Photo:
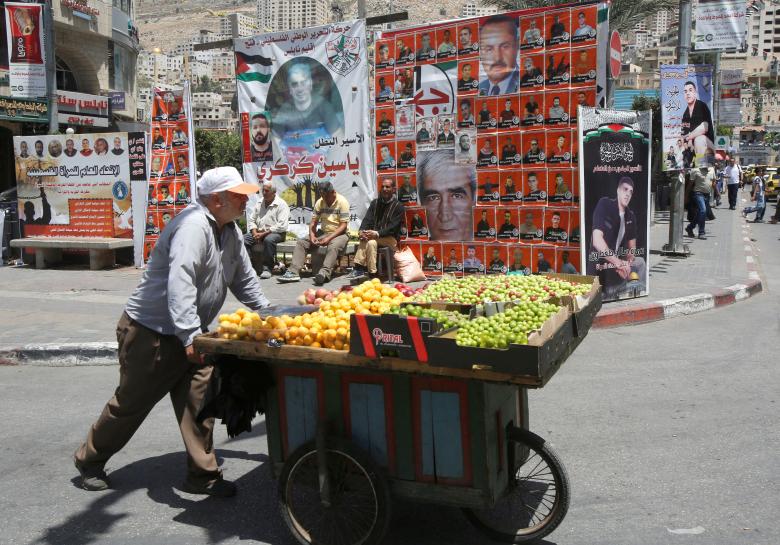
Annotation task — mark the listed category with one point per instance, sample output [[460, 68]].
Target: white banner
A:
[[720, 24], [730, 97], [303, 102], [24, 29]]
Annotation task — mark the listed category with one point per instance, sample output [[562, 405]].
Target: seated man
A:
[[267, 226], [331, 213], [381, 226]]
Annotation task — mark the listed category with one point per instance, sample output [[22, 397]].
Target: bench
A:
[[288, 246], [48, 250]]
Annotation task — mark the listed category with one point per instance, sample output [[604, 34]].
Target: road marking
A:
[[749, 259], [689, 531]]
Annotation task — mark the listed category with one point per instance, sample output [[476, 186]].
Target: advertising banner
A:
[[171, 186], [303, 104], [730, 97], [615, 190], [24, 31], [686, 114], [489, 169], [74, 185], [720, 24], [22, 109], [82, 109]]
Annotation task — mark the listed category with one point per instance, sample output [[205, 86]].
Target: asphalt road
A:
[[669, 432]]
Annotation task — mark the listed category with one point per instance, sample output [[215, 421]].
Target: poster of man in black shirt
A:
[[697, 129]]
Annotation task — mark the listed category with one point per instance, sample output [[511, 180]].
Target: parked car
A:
[[772, 183]]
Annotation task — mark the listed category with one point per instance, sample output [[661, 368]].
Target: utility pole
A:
[[51, 66], [675, 245]]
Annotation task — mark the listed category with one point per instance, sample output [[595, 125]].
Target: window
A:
[[66, 81]]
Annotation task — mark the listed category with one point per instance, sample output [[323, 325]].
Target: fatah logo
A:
[[387, 338], [343, 54]]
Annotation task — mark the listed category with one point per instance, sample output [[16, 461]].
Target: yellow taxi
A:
[[772, 183]]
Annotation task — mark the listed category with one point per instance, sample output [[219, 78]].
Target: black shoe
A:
[[92, 478], [732, 207], [219, 488], [689, 231], [702, 237], [319, 279]]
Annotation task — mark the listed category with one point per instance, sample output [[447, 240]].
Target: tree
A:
[[623, 14], [207, 85], [217, 149]]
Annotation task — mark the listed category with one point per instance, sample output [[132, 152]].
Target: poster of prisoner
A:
[[475, 122], [76, 185], [172, 175], [303, 106], [615, 189], [686, 114]]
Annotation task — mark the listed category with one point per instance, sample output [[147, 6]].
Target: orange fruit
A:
[[315, 344], [338, 345]]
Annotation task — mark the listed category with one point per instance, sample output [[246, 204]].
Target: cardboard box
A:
[[540, 358], [583, 307], [391, 335]]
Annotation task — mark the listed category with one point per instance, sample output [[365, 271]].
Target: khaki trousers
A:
[[152, 365], [304, 246], [365, 254]]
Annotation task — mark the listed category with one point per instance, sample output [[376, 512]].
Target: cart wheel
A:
[[358, 510], [536, 501]]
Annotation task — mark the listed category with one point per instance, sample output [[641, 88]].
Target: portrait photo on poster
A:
[[305, 107]]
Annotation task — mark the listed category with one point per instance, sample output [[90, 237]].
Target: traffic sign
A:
[[615, 54], [722, 142]]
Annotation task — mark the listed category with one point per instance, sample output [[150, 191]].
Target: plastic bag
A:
[[407, 267]]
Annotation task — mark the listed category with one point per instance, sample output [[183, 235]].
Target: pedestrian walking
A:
[[717, 186], [733, 174], [699, 195], [199, 255], [758, 195]]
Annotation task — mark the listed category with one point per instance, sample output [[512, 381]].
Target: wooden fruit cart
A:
[[346, 433]]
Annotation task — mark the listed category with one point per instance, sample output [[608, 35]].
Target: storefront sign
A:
[[24, 31], [720, 24], [82, 109], [80, 6], [615, 189], [21, 109], [117, 99]]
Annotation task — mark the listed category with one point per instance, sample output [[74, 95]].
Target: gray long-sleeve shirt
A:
[[186, 280]]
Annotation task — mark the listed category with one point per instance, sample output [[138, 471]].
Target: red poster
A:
[[560, 187], [487, 115], [558, 26], [556, 221], [404, 49], [416, 223], [385, 129], [431, 258], [468, 70], [474, 258], [385, 156], [531, 226], [583, 69], [532, 107], [557, 71], [452, 254], [559, 147], [384, 54], [510, 150], [487, 187], [445, 43], [532, 33], [545, 259], [507, 221], [468, 39], [568, 260], [484, 223], [583, 25], [486, 151], [535, 187], [508, 116], [407, 188], [511, 184], [557, 112], [496, 256], [520, 259]]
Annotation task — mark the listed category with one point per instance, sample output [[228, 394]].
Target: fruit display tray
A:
[[538, 360]]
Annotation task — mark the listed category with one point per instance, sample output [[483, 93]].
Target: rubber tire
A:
[[561, 506], [375, 477]]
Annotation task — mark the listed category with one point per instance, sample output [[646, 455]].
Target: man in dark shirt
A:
[[423, 135], [517, 264], [486, 154], [406, 192], [466, 83], [384, 124], [484, 114], [29, 212], [496, 263], [507, 114], [483, 227], [555, 233], [508, 151], [507, 229], [532, 192], [381, 227], [542, 265], [557, 29], [530, 73], [612, 255], [407, 155], [446, 137], [697, 128], [534, 153]]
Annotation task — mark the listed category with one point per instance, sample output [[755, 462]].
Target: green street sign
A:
[[24, 110]]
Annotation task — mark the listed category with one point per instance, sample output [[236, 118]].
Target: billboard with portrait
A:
[[686, 113], [76, 185], [615, 189], [303, 105], [491, 117], [172, 176]]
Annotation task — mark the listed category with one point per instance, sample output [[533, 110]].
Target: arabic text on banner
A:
[[730, 97], [74, 185], [171, 185], [615, 189], [720, 24], [24, 30], [303, 104], [686, 114]]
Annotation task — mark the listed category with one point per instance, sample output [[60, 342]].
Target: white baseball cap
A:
[[220, 179]]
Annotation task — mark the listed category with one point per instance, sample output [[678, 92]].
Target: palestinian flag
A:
[[253, 68]]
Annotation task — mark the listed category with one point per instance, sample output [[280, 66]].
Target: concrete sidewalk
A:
[[68, 314]]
